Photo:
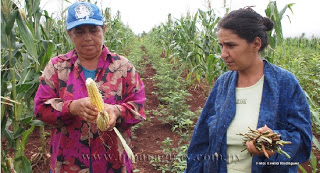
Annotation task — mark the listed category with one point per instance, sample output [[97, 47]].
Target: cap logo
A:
[[83, 10]]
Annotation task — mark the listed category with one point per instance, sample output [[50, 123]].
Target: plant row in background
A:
[[172, 93], [194, 48], [191, 44]]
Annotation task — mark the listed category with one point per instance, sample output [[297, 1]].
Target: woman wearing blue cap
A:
[[253, 93], [76, 144]]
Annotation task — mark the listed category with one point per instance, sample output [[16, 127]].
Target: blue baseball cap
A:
[[81, 13]]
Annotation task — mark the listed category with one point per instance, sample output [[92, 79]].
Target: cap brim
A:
[[84, 22]]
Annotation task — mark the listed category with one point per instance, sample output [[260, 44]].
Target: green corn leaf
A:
[[27, 37], [313, 161], [3, 121], [10, 22], [3, 39], [316, 142], [284, 9], [25, 136], [28, 72], [9, 136], [32, 89], [26, 120], [37, 123], [18, 47], [35, 6], [48, 48], [302, 169], [22, 88], [18, 133], [37, 28], [26, 165], [44, 33]]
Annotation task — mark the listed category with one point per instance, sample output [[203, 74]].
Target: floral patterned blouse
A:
[[74, 142]]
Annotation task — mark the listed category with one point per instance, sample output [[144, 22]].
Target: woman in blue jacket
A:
[[254, 93]]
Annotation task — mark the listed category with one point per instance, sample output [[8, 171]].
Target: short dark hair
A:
[[247, 24]]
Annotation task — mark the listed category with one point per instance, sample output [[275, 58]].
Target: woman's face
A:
[[237, 53], [88, 40]]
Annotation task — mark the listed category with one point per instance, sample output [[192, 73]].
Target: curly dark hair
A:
[[247, 24]]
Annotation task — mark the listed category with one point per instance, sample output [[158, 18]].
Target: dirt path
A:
[[151, 133], [33, 147]]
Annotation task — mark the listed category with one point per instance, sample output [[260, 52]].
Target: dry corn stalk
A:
[[265, 141], [103, 116], [11, 165]]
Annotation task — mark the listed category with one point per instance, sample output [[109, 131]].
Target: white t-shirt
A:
[[248, 101]]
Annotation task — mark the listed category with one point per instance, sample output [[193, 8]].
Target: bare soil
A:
[[33, 148], [150, 134]]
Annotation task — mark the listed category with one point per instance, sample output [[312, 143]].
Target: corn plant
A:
[[276, 16], [166, 36], [185, 46], [276, 35], [214, 65], [174, 110], [191, 43], [13, 88], [24, 53], [312, 43], [118, 37]]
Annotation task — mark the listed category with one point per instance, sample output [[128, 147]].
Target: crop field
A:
[[178, 61]]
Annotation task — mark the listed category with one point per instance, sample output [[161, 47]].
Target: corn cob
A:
[[265, 141], [96, 100], [103, 116]]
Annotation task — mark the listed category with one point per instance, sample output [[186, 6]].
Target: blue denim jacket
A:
[[284, 108]]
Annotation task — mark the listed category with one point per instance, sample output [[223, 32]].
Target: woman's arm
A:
[[295, 125], [132, 104], [49, 108], [299, 128]]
